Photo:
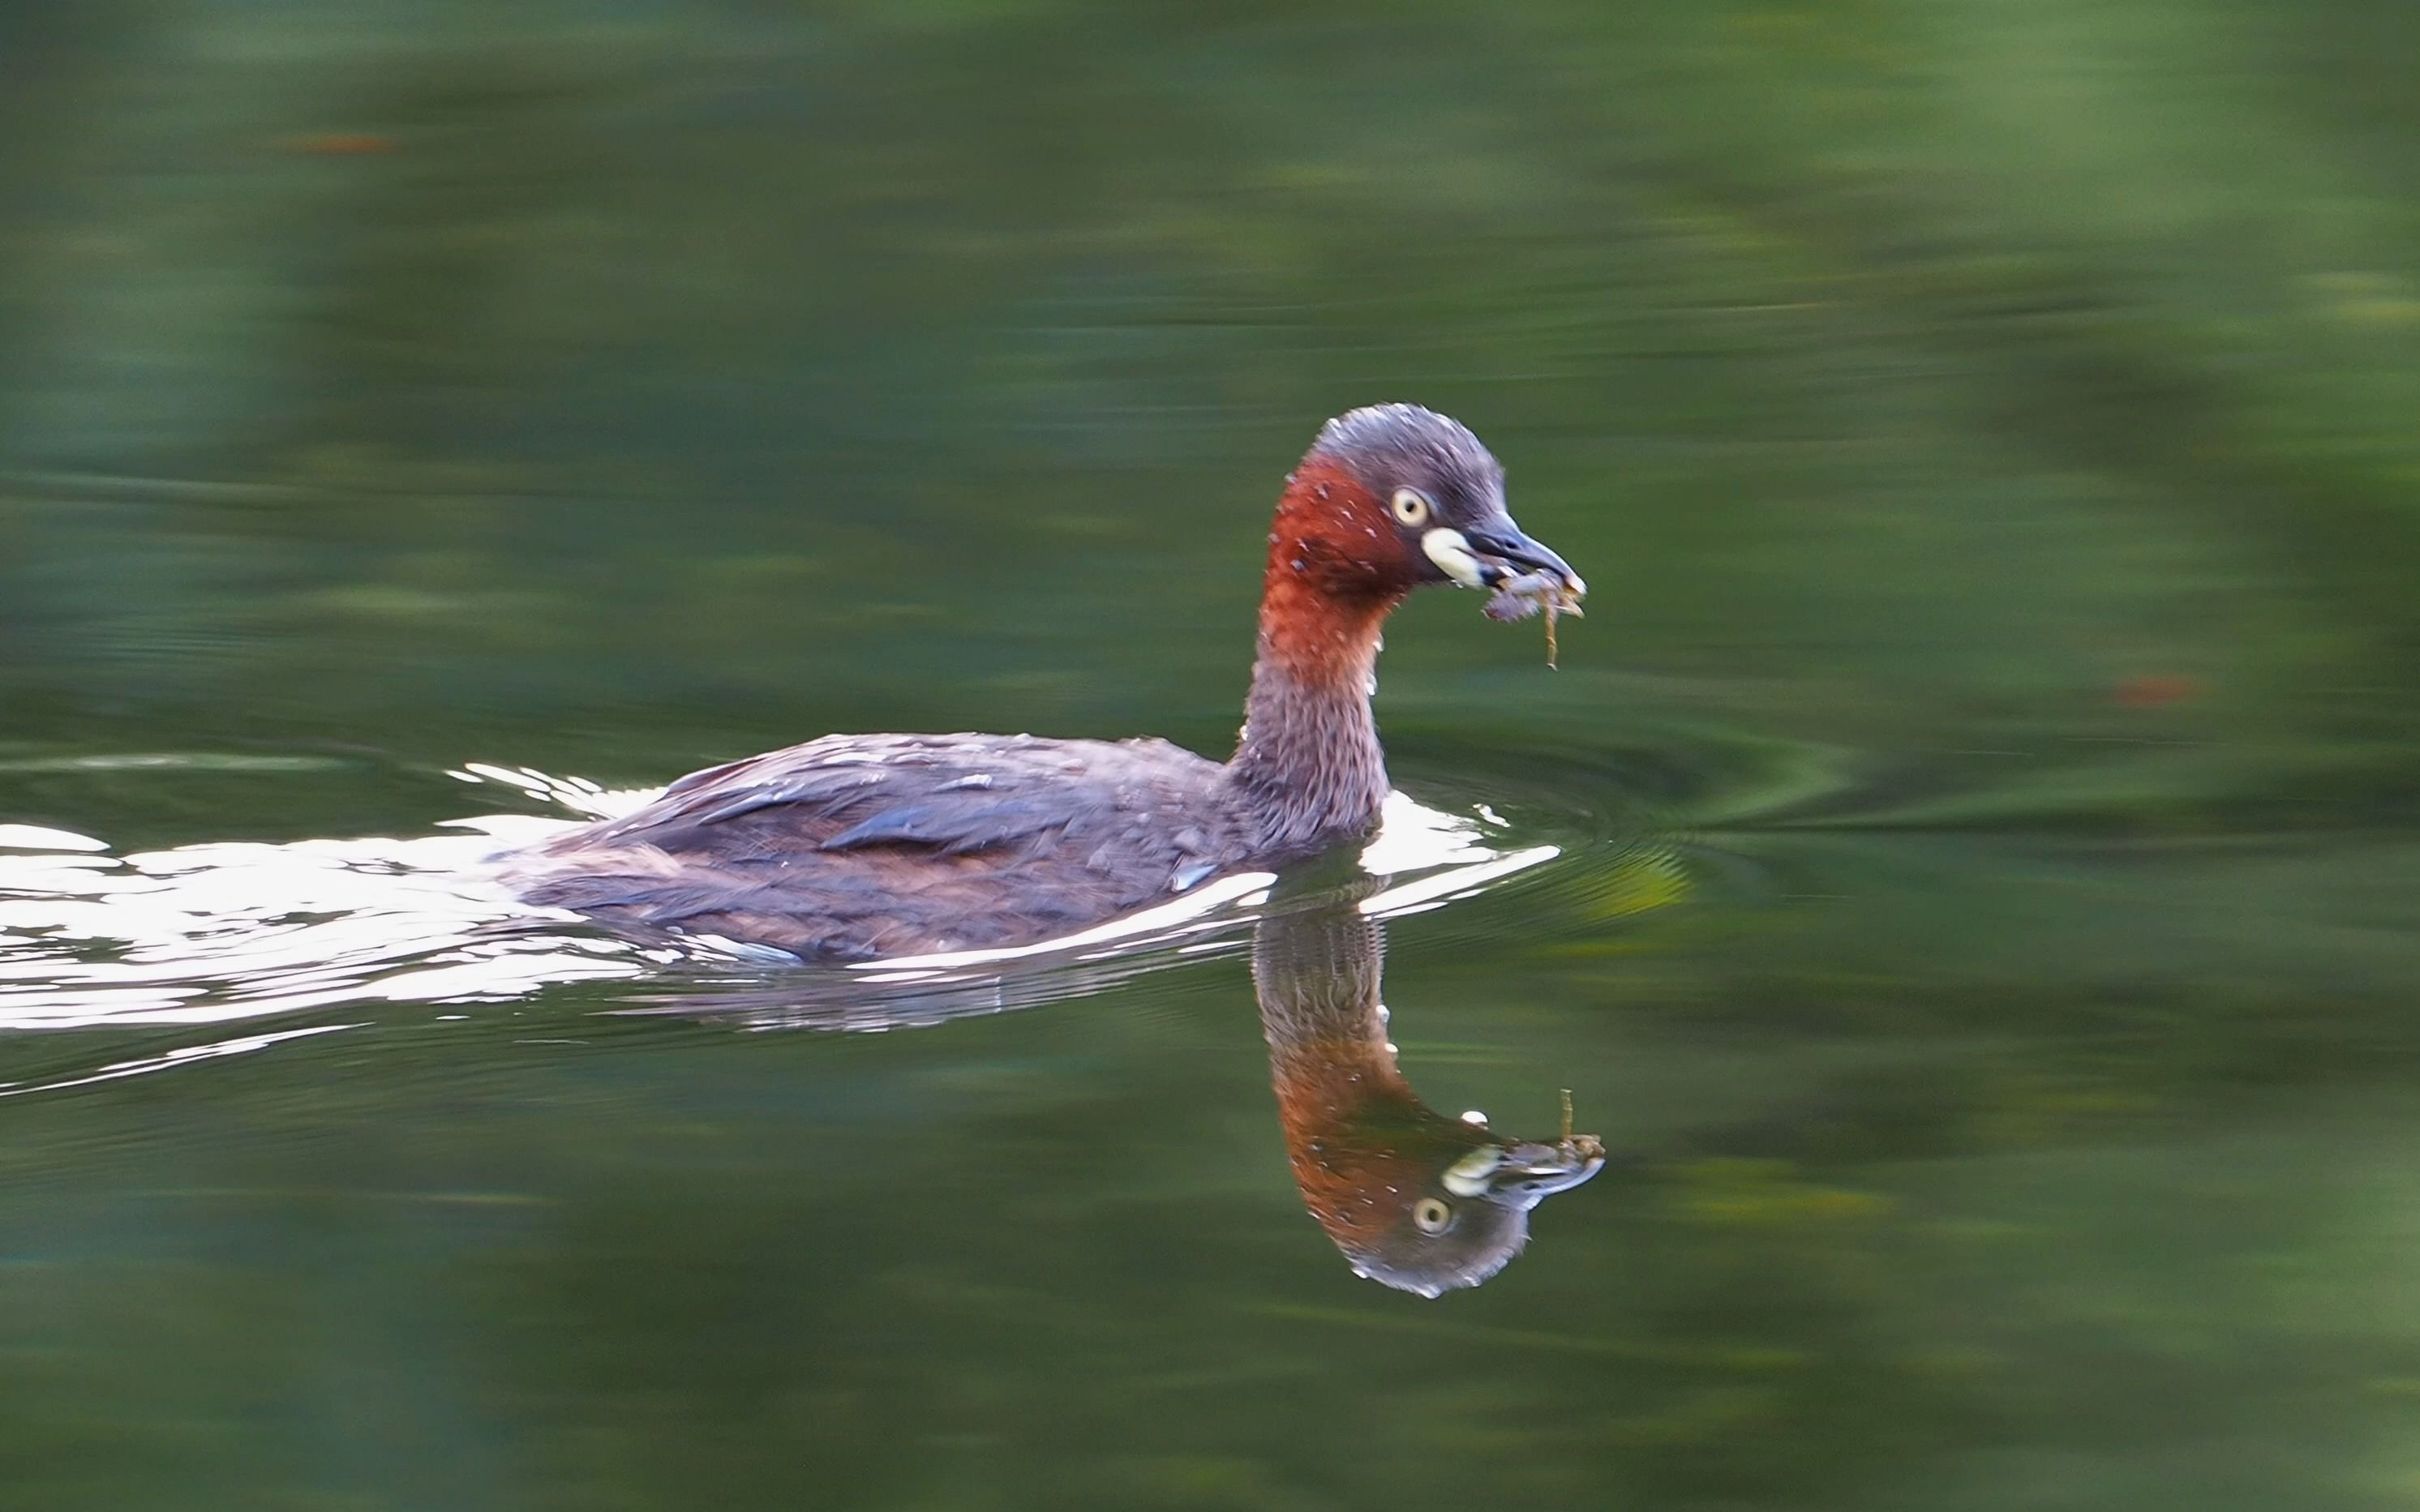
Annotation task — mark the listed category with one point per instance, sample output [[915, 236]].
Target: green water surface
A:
[[1984, 785]]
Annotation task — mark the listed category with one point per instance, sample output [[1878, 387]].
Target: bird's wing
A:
[[944, 795]]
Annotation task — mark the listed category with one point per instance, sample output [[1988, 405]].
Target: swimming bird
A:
[[856, 847]]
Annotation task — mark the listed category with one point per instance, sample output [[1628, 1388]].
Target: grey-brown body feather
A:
[[852, 847]]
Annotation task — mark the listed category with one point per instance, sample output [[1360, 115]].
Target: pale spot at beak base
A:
[[1451, 553]]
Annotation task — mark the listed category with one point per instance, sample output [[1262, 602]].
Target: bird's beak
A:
[[1508, 553], [1526, 1175], [1490, 557]]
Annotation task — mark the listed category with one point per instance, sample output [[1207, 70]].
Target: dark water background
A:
[[1984, 785]]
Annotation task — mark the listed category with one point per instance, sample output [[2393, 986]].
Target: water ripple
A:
[[227, 931]]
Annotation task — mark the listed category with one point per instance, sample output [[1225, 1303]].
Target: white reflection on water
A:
[[182, 1056], [210, 933], [231, 930], [1429, 857]]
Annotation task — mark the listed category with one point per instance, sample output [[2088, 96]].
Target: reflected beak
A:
[[1523, 1176], [1531, 1173]]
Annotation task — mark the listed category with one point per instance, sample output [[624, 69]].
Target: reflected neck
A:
[[1316, 976]]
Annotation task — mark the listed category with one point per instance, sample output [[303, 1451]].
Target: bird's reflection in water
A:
[[1418, 1200]]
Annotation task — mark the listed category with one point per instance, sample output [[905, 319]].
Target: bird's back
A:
[[852, 847]]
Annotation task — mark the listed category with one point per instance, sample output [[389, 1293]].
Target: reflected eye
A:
[[1431, 1214], [1412, 507]]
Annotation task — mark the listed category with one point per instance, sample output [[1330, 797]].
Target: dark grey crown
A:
[[1390, 446]]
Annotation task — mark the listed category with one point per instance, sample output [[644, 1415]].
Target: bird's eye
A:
[[1412, 507], [1431, 1214]]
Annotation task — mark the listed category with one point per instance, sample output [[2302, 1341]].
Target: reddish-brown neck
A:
[[1309, 761], [1340, 1095], [1317, 638]]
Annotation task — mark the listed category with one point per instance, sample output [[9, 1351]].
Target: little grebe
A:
[[853, 847]]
